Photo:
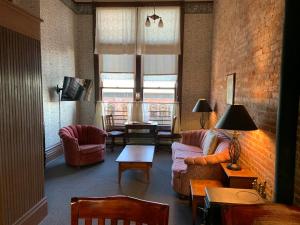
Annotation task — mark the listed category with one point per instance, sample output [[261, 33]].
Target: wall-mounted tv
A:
[[75, 89]]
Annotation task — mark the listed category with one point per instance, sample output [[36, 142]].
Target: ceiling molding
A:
[[190, 7]]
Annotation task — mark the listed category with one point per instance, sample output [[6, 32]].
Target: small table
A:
[[141, 130], [198, 193], [217, 197], [136, 157], [239, 178]]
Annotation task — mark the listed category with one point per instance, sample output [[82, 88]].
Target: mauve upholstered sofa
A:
[[189, 162], [83, 144]]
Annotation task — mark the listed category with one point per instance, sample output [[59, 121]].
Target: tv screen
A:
[[75, 89]]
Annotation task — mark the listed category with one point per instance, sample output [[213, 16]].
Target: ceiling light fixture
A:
[[154, 17]]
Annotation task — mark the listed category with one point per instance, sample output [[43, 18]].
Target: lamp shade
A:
[[202, 106], [236, 117]]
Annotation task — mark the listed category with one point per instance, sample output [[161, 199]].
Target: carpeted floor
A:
[[64, 182]]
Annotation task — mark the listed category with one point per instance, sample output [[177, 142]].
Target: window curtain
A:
[[156, 40], [176, 112], [115, 30], [123, 31], [159, 64], [99, 115]]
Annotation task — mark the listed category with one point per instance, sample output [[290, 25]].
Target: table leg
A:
[[120, 173], [194, 209]]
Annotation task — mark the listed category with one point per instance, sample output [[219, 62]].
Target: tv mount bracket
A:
[[58, 89]]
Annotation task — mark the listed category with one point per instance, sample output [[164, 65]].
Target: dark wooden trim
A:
[[180, 59], [34, 215], [286, 136], [18, 20], [138, 77], [98, 94], [137, 4], [53, 152]]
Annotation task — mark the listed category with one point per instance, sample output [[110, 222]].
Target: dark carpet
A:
[[64, 182]]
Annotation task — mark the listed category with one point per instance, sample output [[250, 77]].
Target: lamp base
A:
[[233, 166]]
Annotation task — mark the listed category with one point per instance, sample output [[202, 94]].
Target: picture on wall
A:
[[230, 88]]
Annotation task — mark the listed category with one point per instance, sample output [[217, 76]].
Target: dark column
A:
[[288, 106]]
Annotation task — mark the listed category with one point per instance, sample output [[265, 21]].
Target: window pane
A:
[[159, 95], [117, 80], [160, 81], [117, 95], [160, 64], [117, 63], [118, 110], [161, 113]]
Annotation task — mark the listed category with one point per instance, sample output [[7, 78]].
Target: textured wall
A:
[[196, 65], [297, 174], [248, 40], [85, 64], [58, 33]]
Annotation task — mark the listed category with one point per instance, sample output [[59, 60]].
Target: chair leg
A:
[[112, 143]]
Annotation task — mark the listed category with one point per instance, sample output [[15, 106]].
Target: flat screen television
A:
[[75, 89]]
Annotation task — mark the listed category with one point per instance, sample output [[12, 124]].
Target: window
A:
[[117, 85], [123, 43]]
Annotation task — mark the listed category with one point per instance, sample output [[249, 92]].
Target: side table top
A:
[[232, 196], [244, 172], [198, 186]]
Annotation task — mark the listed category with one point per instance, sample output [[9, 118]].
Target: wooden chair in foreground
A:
[[118, 208], [112, 131]]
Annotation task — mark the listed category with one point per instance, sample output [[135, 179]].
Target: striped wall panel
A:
[[21, 133]]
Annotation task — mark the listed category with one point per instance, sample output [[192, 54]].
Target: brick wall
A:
[[247, 40], [297, 175]]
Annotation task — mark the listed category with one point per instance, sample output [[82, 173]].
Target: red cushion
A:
[[86, 149]]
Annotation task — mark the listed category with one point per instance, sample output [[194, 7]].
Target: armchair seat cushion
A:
[[86, 149]]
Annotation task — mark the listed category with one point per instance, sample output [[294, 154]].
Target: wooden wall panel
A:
[[21, 133]]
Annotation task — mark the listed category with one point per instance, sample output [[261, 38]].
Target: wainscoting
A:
[[22, 198]]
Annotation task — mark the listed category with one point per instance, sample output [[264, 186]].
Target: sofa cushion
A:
[[185, 154], [183, 148], [178, 166], [210, 143]]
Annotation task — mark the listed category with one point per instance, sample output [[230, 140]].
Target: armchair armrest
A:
[[70, 143], [96, 135], [193, 137]]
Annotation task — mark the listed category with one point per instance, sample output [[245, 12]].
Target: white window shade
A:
[[117, 63], [115, 30], [159, 40], [160, 64]]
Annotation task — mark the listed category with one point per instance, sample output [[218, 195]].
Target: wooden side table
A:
[[198, 193], [217, 197], [239, 178]]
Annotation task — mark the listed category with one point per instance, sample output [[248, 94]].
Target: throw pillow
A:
[[210, 143]]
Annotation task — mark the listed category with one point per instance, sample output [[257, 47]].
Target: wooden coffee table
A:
[[138, 157]]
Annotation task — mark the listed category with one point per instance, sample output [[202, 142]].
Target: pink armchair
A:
[[189, 161], [83, 144]]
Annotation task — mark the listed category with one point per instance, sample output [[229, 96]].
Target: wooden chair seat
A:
[[118, 208]]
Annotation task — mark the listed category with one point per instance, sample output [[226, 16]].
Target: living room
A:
[[244, 38]]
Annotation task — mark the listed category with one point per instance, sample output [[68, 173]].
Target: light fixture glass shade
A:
[[160, 23], [147, 23], [202, 106], [236, 117]]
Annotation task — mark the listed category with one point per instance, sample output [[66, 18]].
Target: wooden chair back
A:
[[109, 122], [173, 124], [118, 208]]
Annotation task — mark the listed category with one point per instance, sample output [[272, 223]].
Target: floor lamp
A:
[[203, 107]]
